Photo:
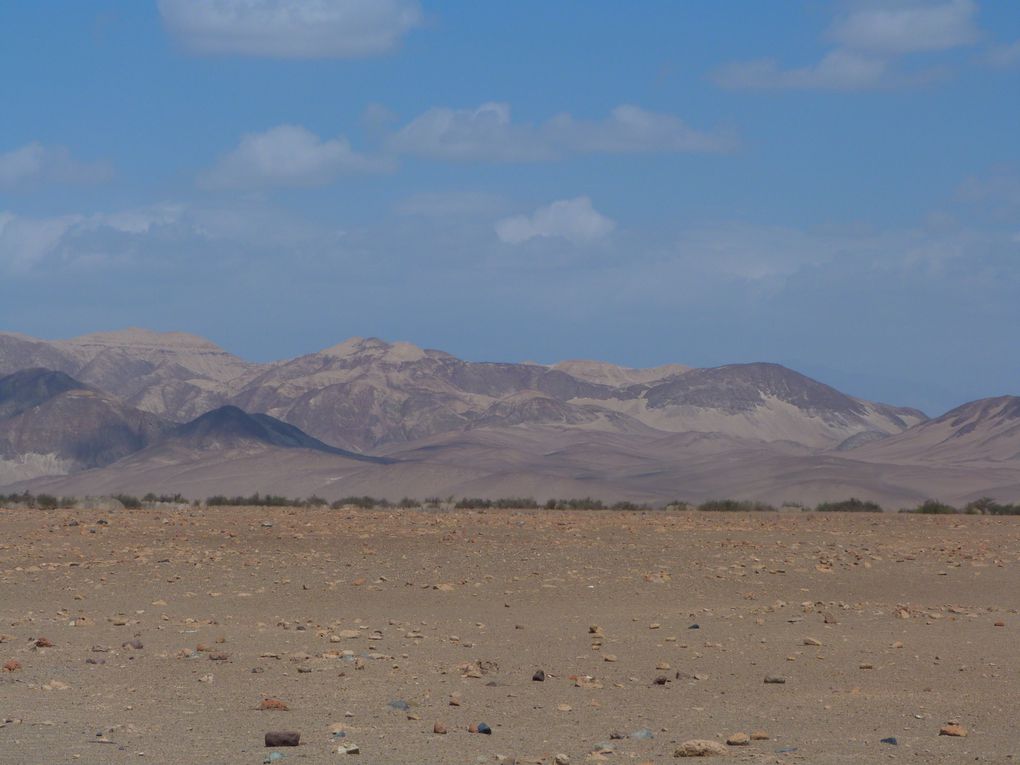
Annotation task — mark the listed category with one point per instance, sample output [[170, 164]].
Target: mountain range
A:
[[138, 411]]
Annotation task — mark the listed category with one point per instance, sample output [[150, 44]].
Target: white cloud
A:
[[488, 133], [470, 134], [631, 129], [291, 28], [918, 27], [572, 219], [34, 164], [25, 241], [287, 155], [1004, 55], [870, 41], [839, 70]]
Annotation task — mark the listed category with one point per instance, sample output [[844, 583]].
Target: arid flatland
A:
[[338, 614]]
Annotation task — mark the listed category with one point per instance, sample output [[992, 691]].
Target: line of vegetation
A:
[[852, 505], [735, 506], [44, 501]]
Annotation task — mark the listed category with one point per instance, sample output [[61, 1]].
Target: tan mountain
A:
[[986, 431], [454, 427]]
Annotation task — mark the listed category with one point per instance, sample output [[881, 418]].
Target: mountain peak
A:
[[373, 347]]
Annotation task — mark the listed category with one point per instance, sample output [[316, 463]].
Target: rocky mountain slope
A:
[[392, 419], [52, 424], [365, 394]]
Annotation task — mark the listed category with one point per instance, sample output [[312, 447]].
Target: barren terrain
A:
[[881, 626]]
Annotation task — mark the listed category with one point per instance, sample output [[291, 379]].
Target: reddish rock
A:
[[12, 666], [43, 643], [273, 705]]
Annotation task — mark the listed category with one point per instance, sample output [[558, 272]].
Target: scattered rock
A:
[[12, 666], [439, 728], [539, 676], [43, 643], [759, 735], [953, 729], [283, 738], [812, 641], [273, 705], [891, 741], [399, 704], [700, 748], [775, 680], [738, 739]]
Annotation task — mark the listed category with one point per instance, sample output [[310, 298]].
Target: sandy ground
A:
[[339, 613]]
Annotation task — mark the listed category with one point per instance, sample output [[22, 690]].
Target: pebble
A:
[[539, 676], [439, 728], [759, 735], [348, 748], [561, 759], [953, 729], [12, 666], [483, 728], [274, 705], [775, 680], [283, 738], [700, 748], [891, 740], [399, 704], [738, 739], [812, 641]]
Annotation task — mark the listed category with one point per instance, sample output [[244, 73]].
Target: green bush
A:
[[852, 505], [735, 506], [934, 507]]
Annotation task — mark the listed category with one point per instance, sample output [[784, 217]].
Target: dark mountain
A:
[[228, 427], [52, 423]]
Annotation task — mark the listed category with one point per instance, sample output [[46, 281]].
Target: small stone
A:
[[953, 729], [454, 699], [273, 705], [399, 704], [539, 676], [738, 739], [564, 707], [483, 728], [561, 759], [1000, 624], [775, 680], [439, 728], [12, 666], [700, 748], [610, 657], [43, 643], [812, 641], [891, 741], [272, 757], [759, 735], [348, 748], [136, 644], [282, 738]]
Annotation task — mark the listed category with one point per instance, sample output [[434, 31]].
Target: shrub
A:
[[129, 502], [934, 507], [735, 506], [852, 505], [47, 501]]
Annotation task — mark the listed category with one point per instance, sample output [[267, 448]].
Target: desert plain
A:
[[156, 635]]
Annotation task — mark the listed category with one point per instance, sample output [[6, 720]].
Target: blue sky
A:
[[830, 185]]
